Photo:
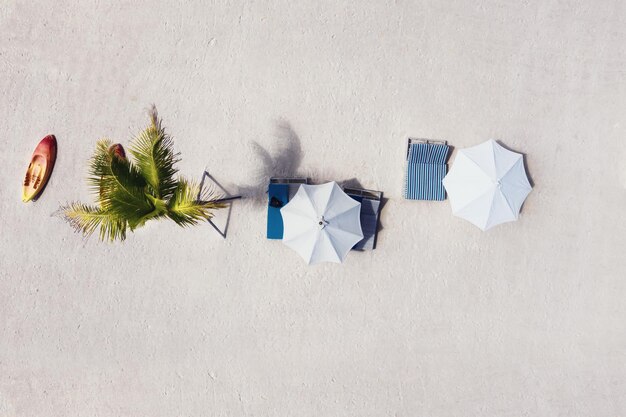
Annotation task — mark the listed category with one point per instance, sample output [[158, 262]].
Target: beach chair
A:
[[370, 209], [426, 167], [279, 192]]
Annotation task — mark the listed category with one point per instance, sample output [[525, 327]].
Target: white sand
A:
[[527, 319]]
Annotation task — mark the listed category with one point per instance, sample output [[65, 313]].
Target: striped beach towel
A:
[[426, 167]]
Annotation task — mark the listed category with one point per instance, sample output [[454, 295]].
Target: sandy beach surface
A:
[[527, 319]]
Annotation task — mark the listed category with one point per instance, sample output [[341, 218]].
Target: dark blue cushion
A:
[[280, 192]]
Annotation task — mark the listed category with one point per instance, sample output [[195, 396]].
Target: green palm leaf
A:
[[99, 165], [119, 186], [129, 194], [86, 219], [155, 158], [188, 206]]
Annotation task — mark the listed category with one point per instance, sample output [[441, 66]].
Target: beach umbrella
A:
[[487, 184], [322, 223]]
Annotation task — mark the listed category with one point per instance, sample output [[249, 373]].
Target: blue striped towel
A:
[[425, 170]]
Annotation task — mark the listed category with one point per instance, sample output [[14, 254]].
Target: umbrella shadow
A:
[[283, 161], [354, 183], [447, 162], [524, 160], [450, 152]]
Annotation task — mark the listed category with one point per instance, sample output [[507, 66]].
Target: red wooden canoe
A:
[[40, 168]]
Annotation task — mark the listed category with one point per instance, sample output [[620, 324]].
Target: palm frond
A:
[[207, 193], [87, 219], [99, 165], [120, 187], [129, 194], [155, 158], [107, 171], [188, 205]]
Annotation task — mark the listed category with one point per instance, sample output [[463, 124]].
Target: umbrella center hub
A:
[[322, 223], [498, 183]]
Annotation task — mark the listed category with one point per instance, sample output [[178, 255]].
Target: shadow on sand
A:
[[354, 183], [225, 197], [283, 161]]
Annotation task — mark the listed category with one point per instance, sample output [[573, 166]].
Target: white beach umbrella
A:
[[322, 223], [487, 184]]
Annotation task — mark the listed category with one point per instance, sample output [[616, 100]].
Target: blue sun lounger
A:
[[279, 192], [426, 167], [370, 209]]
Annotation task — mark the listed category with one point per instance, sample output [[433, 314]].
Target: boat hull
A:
[[39, 169]]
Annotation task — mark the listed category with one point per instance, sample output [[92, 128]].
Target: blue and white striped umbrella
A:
[[487, 184]]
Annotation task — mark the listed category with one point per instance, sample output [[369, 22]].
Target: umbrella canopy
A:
[[487, 184], [322, 223]]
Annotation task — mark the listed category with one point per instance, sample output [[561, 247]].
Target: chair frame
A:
[[290, 180], [365, 193], [368, 195], [228, 198], [411, 141]]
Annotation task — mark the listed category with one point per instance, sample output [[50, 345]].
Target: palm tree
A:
[[129, 193]]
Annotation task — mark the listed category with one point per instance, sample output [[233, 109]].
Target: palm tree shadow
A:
[[283, 161]]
